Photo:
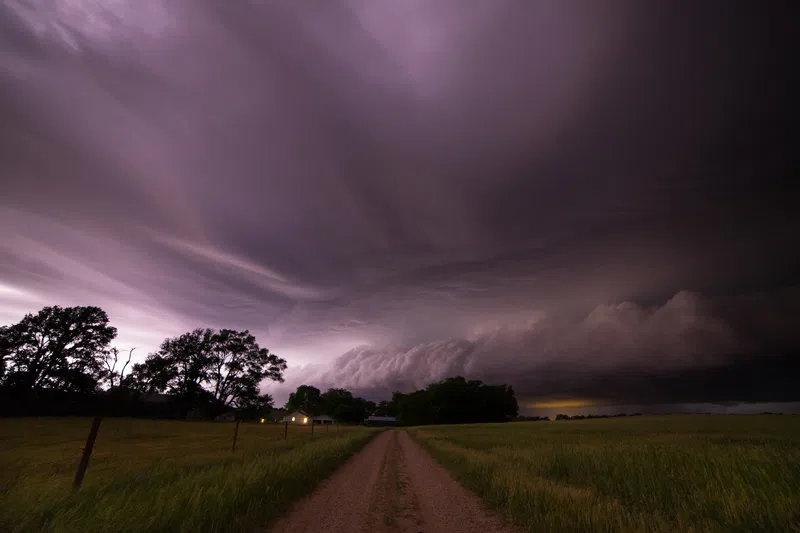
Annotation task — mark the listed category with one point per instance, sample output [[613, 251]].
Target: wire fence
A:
[[259, 433]]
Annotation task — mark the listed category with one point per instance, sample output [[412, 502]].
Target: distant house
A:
[[323, 419], [380, 421], [296, 417]]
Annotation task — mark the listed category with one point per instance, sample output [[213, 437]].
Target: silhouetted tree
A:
[[59, 348], [258, 407], [306, 398], [208, 369], [389, 407], [110, 374], [238, 365], [457, 401]]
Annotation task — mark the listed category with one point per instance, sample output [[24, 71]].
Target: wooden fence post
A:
[[235, 435], [87, 452], [286, 430]]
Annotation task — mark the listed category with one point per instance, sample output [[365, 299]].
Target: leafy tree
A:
[[457, 401], [389, 407], [208, 368], [415, 409], [342, 405], [5, 352], [59, 348], [258, 407], [238, 365], [180, 367], [306, 398]]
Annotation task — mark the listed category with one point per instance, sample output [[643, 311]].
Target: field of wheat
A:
[[699, 474], [160, 476]]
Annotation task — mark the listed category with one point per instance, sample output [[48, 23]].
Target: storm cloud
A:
[[386, 193], [689, 349]]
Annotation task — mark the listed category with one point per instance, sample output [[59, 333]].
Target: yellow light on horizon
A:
[[557, 404], [292, 419], [262, 420], [305, 420]]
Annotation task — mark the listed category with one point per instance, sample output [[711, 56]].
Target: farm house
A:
[[380, 421], [297, 417], [323, 419]]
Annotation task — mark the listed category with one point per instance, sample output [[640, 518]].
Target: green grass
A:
[[160, 476], [698, 474]]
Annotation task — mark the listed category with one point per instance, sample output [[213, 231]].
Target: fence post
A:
[[286, 430], [235, 435], [312, 428], [87, 452]]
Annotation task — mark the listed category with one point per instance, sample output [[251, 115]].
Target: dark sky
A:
[[586, 200]]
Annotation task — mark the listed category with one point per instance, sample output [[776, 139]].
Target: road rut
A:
[[392, 486]]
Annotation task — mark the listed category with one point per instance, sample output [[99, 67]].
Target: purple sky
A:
[[583, 200]]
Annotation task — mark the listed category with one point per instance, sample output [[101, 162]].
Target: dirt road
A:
[[392, 486]]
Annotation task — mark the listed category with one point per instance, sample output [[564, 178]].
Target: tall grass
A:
[[160, 476], [699, 474]]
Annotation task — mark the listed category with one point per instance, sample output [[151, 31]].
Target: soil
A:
[[392, 486]]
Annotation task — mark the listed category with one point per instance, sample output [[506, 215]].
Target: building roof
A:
[[382, 418], [322, 417]]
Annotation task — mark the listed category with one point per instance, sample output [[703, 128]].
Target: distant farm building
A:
[[380, 421], [323, 419], [297, 417]]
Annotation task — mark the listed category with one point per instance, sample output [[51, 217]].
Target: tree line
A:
[[60, 361], [450, 401]]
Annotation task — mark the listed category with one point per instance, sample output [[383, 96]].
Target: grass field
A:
[[159, 476], [694, 474]]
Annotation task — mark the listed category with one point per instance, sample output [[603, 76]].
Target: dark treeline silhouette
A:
[[456, 401], [450, 401], [59, 362], [340, 404], [589, 417]]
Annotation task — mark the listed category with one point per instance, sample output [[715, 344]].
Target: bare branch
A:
[[122, 372]]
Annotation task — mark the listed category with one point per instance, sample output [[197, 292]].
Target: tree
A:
[[238, 365], [180, 367], [110, 374], [343, 406], [457, 401], [204, 368], [306, 398], [389, 407], [258, 407], [59, 348]]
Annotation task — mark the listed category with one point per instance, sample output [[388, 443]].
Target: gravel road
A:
[[392, 486]]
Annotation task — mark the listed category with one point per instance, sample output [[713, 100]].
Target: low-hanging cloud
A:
[[557, 357]]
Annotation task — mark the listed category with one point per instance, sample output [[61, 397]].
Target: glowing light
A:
[[305, 420], [292, 419], [556, 404], [262, 420]]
